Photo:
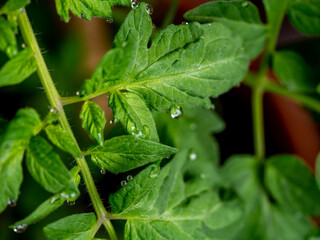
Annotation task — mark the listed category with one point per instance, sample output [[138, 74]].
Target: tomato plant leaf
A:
[[93, 121], [124, 153], [8, 42], [305, 16], [298, 192], [48, 206], [293, 71], [242, 17], [12, 146], [183, 66], [194, 132], [262, 219], [161, 203], [63, 140], [18, 68], [46, 167], [133, 113], [88, 8], [77, 227], [13, 5]]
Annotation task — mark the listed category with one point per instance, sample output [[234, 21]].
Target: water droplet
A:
[[212, 107], [192, 155], [134, 4], [114, 121], [245, 4], [123, 183], [82, 15], [154, 172], [149, 9], [12, 203], [109, 20], [129, 177], [153, 27], [73, 195], [77, 93], [71, 203], [20, 228], [131, 126], [52, 110], [185, 23], [176, 111], [103, 171], [23, 45]]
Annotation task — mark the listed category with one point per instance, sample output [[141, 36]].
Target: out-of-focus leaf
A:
[[13, 5], [18, 68], [124, 153], [8, 42]]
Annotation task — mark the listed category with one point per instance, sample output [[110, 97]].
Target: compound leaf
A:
[[134, 115], [18, 68], [184, 65], [124, 153], [162, 204], [296, 192], [63, 140], [13, 5], [293, 71], [12, 146], [93, 121], [46, 167], [88, 8], [76, 227], [242, 17]]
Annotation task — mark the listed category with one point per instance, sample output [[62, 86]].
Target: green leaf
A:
[[133, 113], [93, 121], [124, 153], [293, 71], [162, 204], [63, 140], [47, 206], [76, 227], [88, 8], [242, 17], [262, 220], [184, 65], [12, 146], [18, 68], [296, 192], [13, 5], [194, 132], [46, 167], [8, 42], [305, 16]]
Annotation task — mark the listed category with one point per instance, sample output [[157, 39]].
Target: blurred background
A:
[[72, 51]]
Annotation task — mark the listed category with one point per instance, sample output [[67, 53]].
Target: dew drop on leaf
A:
[[103, 171], [20, 228], [129, 177], [185, 23], [134, 4], [192, 155], [123, 183], [71, 203], [77, 93], [12, 203], [176, 111], [109, 20], [149, 9]]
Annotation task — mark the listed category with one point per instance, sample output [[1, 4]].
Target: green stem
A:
[[110, 229], [54, 100], [171, 13]]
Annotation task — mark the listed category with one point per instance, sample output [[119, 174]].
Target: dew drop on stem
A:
[[20, 228], [77, 93], [12, 203], [103, 171], [129, 177], [123, 183], [149, 9]]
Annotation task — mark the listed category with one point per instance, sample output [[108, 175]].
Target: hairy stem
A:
[[54, 100]]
